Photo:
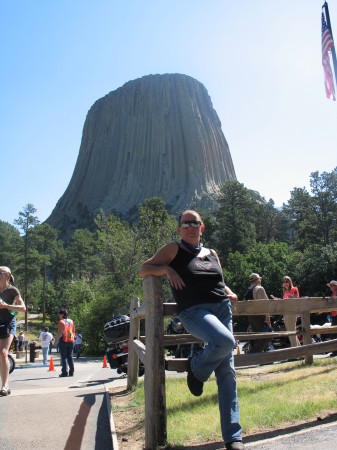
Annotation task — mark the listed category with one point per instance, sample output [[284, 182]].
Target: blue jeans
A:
[[66, 351], [78, 350], [45, 354], [212, 322]]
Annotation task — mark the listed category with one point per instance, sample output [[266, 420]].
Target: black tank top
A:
[[202, 277]]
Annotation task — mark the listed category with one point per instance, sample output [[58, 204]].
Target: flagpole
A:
[[333, 51]]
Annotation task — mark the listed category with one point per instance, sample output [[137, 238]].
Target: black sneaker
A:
[[235, 445], [63, 375], [195, 386]]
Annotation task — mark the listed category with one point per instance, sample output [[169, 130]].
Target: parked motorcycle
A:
[[116, 335]]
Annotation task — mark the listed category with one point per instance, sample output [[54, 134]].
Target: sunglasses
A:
[[3, 273], [193, 223]]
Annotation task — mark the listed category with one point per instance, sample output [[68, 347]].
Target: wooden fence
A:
[[150, 349]]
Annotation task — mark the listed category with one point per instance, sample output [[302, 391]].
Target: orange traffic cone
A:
[[105, 364], [51, 365]]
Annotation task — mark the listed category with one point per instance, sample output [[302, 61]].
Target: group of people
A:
[[67, 341], [260, 323], [205, 309], [46, 338]]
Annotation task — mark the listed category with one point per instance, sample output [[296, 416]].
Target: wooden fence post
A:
[[154, 383], [133, 360], [307, 335]]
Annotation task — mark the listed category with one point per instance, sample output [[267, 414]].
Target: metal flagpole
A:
[[333, 51]]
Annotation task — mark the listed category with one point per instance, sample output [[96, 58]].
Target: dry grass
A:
[[271, 397]]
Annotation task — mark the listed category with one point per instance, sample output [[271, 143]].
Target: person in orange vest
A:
[[290, 291], [65, 337]]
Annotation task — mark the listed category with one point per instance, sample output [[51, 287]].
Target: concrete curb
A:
[[111, 420]]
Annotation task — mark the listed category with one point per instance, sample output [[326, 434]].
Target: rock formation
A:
[[157, 136]]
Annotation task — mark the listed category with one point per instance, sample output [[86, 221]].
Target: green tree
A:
[[314, 267], [92, 306], [60, 265], [11, 246], [314, 217], [82, 251], [45, 240], [120, 251], [156, 226], [236, 219], [272, 261], [26, 221], [36, 300], [324, 190], [271, 224]]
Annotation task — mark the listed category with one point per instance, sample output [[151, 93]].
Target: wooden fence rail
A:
[[153, 356]]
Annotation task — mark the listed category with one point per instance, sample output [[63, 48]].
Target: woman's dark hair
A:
[[286, 278], [64, 312]]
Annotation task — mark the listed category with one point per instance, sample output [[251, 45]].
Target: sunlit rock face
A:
[[157, 136]]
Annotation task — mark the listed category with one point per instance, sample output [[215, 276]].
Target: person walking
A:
[[205, 310], [10, 304], [257, 323], [290, 291], [45, 338], [65, 337], [21, 339], [78, 343]]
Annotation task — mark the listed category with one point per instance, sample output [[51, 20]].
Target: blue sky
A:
[[260, 62]]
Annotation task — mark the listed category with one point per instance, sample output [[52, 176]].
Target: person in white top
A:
[[45, 338]]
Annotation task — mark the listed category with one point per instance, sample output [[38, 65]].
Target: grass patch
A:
[[35, 326], [270, 397]]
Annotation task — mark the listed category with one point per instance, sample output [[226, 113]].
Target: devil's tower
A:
[[155, 136]]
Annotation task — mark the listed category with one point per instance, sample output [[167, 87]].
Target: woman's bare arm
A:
[[158, 265]]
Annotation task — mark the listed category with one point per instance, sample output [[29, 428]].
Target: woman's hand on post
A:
[[175, 280], [232, 297]]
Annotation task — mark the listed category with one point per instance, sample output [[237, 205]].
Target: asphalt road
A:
[[308, 437], [48, 412]]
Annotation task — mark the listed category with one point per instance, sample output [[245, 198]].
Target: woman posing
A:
[[10, 302], [205, 310], [290, 291]]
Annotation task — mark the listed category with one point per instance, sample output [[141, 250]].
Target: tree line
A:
[[95, 273]]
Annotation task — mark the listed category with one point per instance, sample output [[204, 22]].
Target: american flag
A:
[[327, 44]]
